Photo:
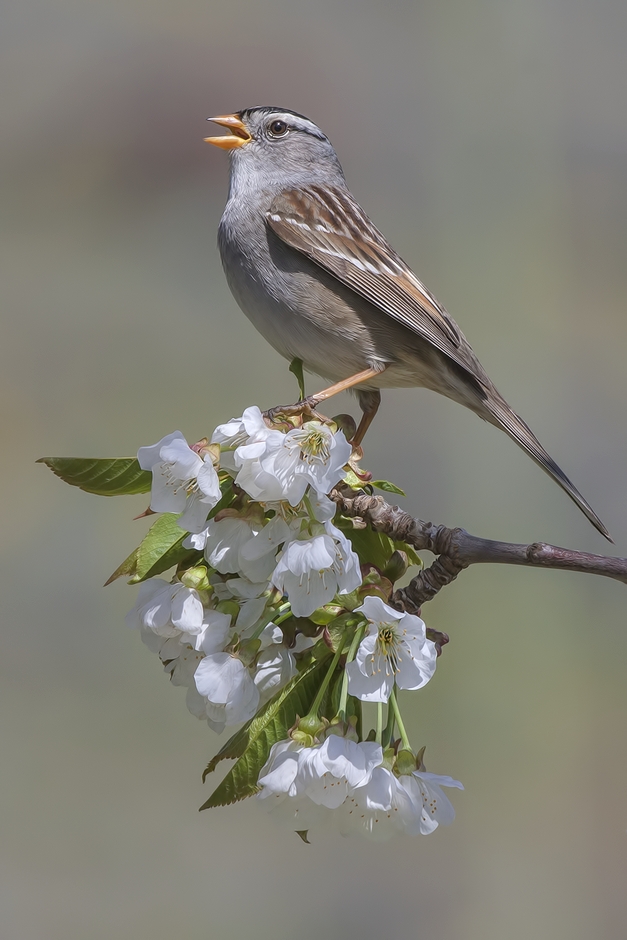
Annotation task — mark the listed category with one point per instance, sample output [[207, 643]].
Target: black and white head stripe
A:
[[294, 120]]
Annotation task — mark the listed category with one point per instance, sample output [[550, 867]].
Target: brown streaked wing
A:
[[330, 228]]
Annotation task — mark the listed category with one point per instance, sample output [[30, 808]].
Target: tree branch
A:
[[457, 549]]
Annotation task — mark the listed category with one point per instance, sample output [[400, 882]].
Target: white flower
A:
[[330, 772], [276, 664], [395, 649], [381, 808], [167, 609], [325, 773], [387, 805], [222, 679], [281, 466], [181, 665], [257, 556], [280, 792], [311, 572], [223, 540], [236, 432], [182, 481], [252, 599], [323, 509], [437, 809]]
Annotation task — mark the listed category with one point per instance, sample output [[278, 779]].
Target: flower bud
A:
[[324, 615], [196, 578], [389, 758], [405, 763], [308, 730]]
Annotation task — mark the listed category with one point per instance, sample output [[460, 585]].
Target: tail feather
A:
[[501, 415]]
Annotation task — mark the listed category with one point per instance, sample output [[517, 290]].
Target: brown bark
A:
[[456, 549]]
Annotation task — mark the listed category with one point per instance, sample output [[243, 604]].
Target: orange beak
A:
[[238, 136]]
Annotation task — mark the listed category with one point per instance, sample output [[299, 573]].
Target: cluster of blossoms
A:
[[269, 589]]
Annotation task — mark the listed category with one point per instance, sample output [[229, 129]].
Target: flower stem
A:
[[284, 611], [349, 658], [287, 608], [379, 722], [325, 683], [399, 720], [388, 731]]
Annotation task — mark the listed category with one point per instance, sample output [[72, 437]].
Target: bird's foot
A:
[[304, 409]]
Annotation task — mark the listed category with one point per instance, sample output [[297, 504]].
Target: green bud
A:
[[405, 763], [311, 725], [396, 566], [324, 615], [196, 578], [389, 758]]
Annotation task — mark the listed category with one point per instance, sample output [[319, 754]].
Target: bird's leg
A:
[[369, 401], [308, 405]]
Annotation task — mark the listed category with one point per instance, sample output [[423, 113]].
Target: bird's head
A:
[[275, 146]]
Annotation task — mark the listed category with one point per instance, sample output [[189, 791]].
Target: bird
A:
[[322, 284]]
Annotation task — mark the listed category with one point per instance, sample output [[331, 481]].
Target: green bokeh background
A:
[[489, 141]]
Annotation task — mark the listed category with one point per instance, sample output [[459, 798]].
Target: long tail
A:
[[501, 415]]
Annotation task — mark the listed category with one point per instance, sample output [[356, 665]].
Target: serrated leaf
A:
[[111, 476], [161, 548], [387, 487], [253, 742], [126, 569]]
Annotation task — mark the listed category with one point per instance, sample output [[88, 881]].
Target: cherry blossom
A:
[[167, 609], [182, 481], [312, 571], [394, 650]]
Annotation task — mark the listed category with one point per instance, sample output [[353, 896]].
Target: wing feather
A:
[[330, 228]]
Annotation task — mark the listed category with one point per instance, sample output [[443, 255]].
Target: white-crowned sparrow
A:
[[322, 284]]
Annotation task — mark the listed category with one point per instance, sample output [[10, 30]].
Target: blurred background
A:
[[488, 140]]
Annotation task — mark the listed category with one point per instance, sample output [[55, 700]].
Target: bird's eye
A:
[[278, 129]]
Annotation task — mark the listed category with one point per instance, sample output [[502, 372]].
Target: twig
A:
[[457, 549]]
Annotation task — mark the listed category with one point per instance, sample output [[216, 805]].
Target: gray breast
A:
[[302, 311]]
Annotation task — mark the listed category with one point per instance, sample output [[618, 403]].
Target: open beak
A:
[[238, 136]]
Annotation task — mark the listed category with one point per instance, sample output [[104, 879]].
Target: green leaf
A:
[[161, 548], [113, 476], [253, 742], [387, 487], [126, 569], [412, 557], [296, 368], [372, 547], [351, 479]]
